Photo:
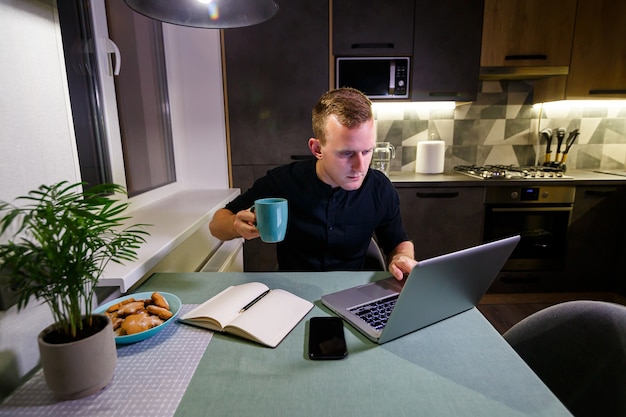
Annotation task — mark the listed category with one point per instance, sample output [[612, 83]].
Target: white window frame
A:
[[192, 171]]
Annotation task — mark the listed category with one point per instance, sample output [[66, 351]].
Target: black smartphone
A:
[[326, 338]]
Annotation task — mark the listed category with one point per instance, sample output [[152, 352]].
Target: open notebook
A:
[[436, 289]]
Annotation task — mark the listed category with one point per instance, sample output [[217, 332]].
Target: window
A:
[[83, 81], [142, 99], [191, 101], [119, 95]]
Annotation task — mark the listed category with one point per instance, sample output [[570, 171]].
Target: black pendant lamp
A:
[[212, 14]]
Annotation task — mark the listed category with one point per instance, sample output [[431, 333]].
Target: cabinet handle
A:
[[444, 94], [373, 45], [515, 280], [604, 92], [541, 57], [301, 157], [451, 194], [599, 193], [530, 209]]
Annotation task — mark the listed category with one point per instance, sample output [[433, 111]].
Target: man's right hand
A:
[[226, 225], [244, 224]]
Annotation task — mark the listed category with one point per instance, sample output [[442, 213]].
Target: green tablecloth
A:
[[458, 367]]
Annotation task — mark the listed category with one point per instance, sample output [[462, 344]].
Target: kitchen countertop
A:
[[455, 179]]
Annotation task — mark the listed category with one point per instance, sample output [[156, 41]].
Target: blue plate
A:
[[173, 301]]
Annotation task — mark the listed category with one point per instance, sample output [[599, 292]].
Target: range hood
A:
[[521, 72]]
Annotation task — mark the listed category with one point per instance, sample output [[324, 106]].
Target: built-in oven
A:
[[541, 216]]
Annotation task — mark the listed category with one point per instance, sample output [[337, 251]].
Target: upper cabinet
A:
[[446, 50], [524, 38], [443, 39], [369, 27], [598, 62], [598, 67], [275, 72]]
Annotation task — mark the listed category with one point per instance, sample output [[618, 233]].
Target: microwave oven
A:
[[376, 77]]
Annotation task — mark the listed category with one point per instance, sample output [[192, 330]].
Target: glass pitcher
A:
[[381, 157]]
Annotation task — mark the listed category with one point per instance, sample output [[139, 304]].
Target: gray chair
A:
[[374, 258], [578, 349]]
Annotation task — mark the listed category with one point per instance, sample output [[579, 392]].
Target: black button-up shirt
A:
[[328, 228]]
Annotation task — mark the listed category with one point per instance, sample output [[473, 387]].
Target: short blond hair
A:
[[351, 107]]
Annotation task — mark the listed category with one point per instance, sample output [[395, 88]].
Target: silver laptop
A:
[[436, 289]]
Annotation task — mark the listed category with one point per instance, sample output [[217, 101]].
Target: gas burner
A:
[[507, 172], [481, 171]]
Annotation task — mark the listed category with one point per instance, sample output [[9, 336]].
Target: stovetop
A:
[[509, 172]]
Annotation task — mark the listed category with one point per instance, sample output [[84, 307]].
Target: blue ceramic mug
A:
[[271, 218]]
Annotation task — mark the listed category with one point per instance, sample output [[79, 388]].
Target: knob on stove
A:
[[514, 195]]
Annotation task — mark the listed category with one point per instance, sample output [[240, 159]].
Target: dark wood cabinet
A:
[[598, 63], [274, 72], [527, 33], [446, 50], [596, 252], [369, 27], [598, 66], [443, 38], [442, 219]]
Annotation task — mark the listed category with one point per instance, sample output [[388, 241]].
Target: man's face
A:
[[344, 159]]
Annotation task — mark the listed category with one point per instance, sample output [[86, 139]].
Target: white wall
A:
[[36, 134], [194, 76], [36, 145], [37, 140]]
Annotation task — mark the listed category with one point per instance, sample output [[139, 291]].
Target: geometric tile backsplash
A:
[[502, 127]]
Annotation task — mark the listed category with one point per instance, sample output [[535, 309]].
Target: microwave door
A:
[[376, 77], [368, 76]]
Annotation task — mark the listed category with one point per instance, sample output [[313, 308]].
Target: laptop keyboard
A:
[[377, 312]]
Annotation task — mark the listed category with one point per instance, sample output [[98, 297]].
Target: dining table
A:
[[460, 366]]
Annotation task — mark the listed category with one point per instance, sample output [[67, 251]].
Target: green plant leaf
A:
[[58, 243]]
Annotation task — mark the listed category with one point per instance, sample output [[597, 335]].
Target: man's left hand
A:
[[401, 266]]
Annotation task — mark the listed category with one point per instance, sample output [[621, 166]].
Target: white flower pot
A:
[[81, 368]]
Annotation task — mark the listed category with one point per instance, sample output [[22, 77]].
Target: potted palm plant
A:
[[56, 244]]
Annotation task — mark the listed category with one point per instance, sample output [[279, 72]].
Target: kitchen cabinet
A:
[[443, 38], [598, 62], [527, 36], [598, 67], [369, 27], [274, 72], [442, 219], [446, 50], [596, 258]]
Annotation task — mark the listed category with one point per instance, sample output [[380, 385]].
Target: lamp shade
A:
[[212, 14]]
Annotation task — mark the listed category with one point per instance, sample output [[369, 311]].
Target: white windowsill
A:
[[172, 219]]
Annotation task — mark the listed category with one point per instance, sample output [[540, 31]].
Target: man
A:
[[336, 203]]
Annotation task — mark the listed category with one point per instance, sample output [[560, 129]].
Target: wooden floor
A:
[[504, 310]]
